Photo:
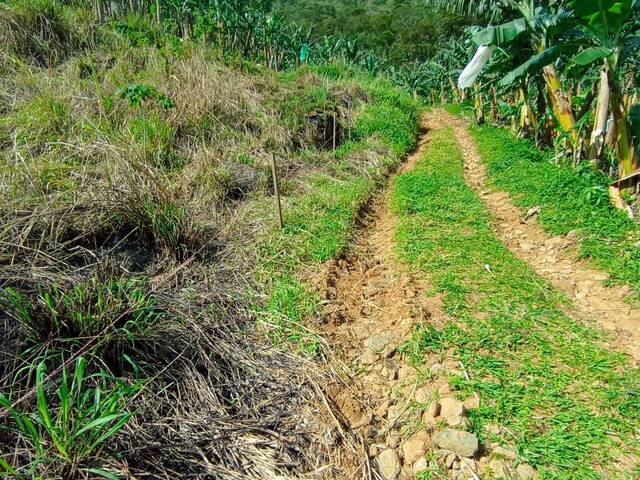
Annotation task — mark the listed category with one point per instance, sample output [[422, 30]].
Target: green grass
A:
[[319, 221], [569, 198], [571, 405], [87, 411]]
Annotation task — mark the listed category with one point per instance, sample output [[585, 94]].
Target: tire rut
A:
[[371, 306], [553, 258]]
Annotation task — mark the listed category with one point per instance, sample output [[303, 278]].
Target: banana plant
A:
[[540, 26], [604, 23]]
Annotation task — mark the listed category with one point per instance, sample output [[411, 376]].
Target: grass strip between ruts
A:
[[571, 405]]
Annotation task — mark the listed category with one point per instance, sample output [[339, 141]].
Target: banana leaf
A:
[[537, 63], [591, 55], [502, 34]]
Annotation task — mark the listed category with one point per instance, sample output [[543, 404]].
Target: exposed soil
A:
[[372, 304], [553, 258]]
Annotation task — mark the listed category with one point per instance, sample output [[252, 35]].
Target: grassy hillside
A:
[[139, 247]]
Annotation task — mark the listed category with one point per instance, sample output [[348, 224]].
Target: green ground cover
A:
[[569, 199], [570, 405]]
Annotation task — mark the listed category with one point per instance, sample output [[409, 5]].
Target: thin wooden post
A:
[[276, 190], [334, 131]]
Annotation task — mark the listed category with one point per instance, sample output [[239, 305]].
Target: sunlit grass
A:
[[571, 405], [569, 199]]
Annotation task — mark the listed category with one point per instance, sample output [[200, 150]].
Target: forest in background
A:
[[400, 31]]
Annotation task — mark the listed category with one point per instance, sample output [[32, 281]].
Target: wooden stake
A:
[[334, 131], [276, 190]]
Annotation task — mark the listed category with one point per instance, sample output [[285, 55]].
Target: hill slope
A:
[[145, 289]]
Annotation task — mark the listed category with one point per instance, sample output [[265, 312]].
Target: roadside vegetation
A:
[[562, 74], [140, 260], [568, 404]]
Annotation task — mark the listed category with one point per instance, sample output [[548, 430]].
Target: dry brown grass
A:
[[80, 189]]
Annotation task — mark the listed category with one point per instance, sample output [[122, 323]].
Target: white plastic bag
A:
[[471, 71]]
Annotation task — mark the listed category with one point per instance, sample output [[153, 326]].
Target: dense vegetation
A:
[[399, 31], [140, 260]]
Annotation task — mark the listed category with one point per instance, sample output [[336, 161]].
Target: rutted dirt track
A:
[[553, 258], [401, 413], [372, 304]]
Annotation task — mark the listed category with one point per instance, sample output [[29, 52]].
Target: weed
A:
[[70, 427], [116, 311], [140, 93], [46, 118], [157, 138], [320, 220]]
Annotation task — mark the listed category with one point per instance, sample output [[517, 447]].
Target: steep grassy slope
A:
[[138, 245]]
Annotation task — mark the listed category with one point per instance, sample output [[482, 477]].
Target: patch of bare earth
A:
[[553, 258], [405, 418]]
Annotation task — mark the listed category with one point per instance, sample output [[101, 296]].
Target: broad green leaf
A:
[[536, 63], [502, 34], [43, 407], [102, 473], [591, 55], [114, 428], [553, 24], [634, 120], [5, 467], [78, 378], [97, 422], [604, 18]]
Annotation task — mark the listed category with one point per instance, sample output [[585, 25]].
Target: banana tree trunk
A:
[[596, 146], [559, 103], [454, 89], [479, 109], [494, 105], [625, 150], [527, 117]]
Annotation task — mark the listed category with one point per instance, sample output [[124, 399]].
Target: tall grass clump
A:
[[72, 422], [40, 31]]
